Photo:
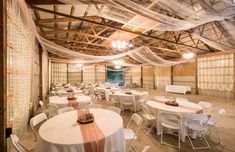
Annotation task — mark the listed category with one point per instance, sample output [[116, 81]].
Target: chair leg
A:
[[197, 148]]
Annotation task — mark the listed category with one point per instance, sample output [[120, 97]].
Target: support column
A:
[[196, 77], [3, 76]]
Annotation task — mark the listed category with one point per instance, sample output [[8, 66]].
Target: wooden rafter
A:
[[115, 28]]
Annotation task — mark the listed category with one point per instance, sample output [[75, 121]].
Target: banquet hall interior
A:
[[117, 75]]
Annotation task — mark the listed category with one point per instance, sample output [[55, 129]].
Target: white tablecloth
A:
[[62, 102], [62, 133], [178, 89], [107, 92], [137, 95], [186, 109], [64, 92]]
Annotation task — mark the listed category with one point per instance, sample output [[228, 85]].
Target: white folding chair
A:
[[101, 94], [198, 126], [36, 120], [127, 102], [115, 100], [145, 149], [17, 145], [94, 106], [93, 94], [129, 134], [151, 119], [214, 126], [51, 109], [42, 105], [206, 106], [114, 109], [66, 109], [172, 122]]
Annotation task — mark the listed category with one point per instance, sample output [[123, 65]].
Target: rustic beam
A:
[[3, 75], [115, 28], [70, 22], [43, 2]]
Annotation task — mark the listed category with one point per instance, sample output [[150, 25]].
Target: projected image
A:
[[115, 75]]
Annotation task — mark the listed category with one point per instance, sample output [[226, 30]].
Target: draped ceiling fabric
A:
[[191, 16]]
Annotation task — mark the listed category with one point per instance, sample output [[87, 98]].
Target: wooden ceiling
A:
[[93, 34]]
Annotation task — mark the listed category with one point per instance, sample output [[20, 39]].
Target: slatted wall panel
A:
[[185, 74], [136, 75], [162, 77], [45, 74], [127, 73], [89, 74], [216, 76], [100, 73], [58, 73], [74, 73], [148, 77]]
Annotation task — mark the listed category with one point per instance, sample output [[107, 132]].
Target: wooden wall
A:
[[185, 74], [148, 77], [162, 77], [127, 74], [89, 75], [100, 73], [216, 76], [74, 74], [136, 75]]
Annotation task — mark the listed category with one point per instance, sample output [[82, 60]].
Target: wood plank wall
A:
[[100, 73], [136, 75], [216, 76], [74, 74], [185, 74], [89, 75], [148, 77], [127, 74], [162, 77]]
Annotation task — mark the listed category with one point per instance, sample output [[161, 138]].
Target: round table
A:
[[62, 133], [62, 102], [137, 95], [64, 92], [186, 109]]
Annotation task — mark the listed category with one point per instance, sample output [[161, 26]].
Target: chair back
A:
[[42, 105], [114, 109], [36, 120], [206, 106], [16, 144], [145, 109], [199, 119], [145, 149], [92, 90], [170, 118], [137, 120], [66, 109], [181, 100], [127, 98]]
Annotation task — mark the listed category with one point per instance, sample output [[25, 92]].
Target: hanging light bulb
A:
[[117, 67], [188, 55], [79, 65]]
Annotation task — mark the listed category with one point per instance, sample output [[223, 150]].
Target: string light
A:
[[118, 62], [188, 56], [121, 45]]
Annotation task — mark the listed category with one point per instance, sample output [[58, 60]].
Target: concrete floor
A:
[[227, 128]]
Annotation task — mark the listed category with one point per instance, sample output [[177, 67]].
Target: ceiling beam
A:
[[54, 2], [116, 28]]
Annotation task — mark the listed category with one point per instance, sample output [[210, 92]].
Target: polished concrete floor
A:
[[227, 127]]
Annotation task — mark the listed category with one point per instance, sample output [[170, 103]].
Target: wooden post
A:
[[171, 75], [3, 76], [196, 77], [40, 73], [141, 77]]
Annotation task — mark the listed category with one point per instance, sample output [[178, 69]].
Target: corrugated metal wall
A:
[[185, 74]]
